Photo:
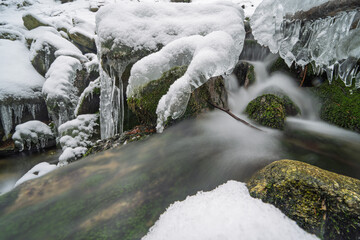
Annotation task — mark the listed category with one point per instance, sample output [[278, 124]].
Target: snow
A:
[[32, 132], [227, 212], [76, 137], [146, 25], [59, 87], [37, 171], [329, 43], [18, 77]]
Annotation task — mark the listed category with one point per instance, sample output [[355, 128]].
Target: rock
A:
[[10, 34], [340, 105], [324, 203], [245, 74], [145, 103], [270, 110], [85, 42], [89, 100], [31, 21], [42, 52]]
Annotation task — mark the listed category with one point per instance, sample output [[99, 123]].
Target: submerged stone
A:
[[144, 104], [271, 110], [324, 203]]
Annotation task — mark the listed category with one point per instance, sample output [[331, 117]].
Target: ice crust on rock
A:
[[227, 212], [59, 90], [37, 171], [76, 137], [32, 133], [331, 44], [148, 27]]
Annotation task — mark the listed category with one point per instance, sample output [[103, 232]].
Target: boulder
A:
[[245, 74], [324, 203], [340, 105], [271, 110], [144, 103], [31, 21], [89, 100], [83, 40]]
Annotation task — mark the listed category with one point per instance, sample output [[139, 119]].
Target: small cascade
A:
[[275, 83], [11, 115]]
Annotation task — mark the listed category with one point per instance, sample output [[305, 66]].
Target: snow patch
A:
[[227, 212], [37, 171]]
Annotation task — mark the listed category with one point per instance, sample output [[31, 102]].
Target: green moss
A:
[[340, 105], [270, 110], [144, 104], [321, 202]]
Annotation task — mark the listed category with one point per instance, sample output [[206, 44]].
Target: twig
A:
[[302, 82], [235, 117]]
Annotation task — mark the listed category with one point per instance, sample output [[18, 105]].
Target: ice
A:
[[227, 212], [76, 137], [37, 171], [147, 27], [89, 91], [32, 133], [330, 43], [59, 90]]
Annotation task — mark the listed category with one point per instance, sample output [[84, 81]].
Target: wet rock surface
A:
[[321, 202]]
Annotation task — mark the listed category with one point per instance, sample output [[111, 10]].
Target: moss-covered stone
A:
[[245, 74], [270, 110], [83, 42], [324, 203], [340, 105], [144, 104], [31, 21]]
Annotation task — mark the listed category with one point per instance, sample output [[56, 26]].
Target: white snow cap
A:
[[147, 25], [228, 212]]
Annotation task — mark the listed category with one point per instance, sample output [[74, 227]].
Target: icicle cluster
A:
[[331, 43], [11, 115]]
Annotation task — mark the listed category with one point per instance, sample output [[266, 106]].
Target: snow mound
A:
[[32, 132], [228, 212], [330, 43], [77, 137], [148, 25], [18, 77], [37, 171]]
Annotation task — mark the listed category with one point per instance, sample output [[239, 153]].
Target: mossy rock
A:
[[340, 105], [144, 104], [245, 74], [83, 42], [324, 203], [271, 110], [31, 21]]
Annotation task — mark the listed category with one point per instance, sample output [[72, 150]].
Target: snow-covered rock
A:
[[89, 100], [37, 171], [60, 94], [227, 212], [128, 31], [77, 136], [32, 134]]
